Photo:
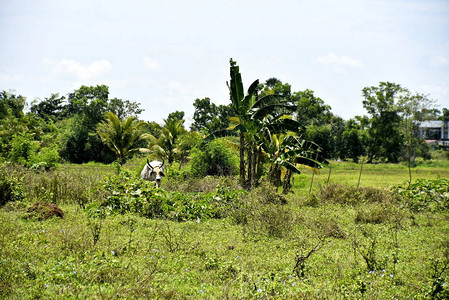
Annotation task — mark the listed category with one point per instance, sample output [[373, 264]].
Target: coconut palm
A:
[[123, 137], [165, 145]]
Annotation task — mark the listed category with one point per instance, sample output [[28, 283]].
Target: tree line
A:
[[272, 128]]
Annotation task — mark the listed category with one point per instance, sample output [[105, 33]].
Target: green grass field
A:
[[314, 247], [374, 175]]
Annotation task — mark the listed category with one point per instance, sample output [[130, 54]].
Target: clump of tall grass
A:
[[379, 213], [329, 227], [349, 195], [264, 212], [68, 185]]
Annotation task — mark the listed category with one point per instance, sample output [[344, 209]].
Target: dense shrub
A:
[[214, 158], [22, 148], [124, 194], [28, 152], [263, 212], [425, 194], [46, 158], [11, 186], [377, 213], [351, 195]]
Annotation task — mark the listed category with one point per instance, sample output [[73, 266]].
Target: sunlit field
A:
[[371, 175], [337, 242]]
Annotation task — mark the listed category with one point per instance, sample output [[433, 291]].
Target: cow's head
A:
[[156, 171]]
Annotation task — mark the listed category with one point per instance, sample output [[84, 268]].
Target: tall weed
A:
[[349, 195], [425, 194], [264, 212]]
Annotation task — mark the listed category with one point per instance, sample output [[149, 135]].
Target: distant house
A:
[[435, 132]]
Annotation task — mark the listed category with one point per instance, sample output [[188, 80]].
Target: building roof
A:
[[432, 124]]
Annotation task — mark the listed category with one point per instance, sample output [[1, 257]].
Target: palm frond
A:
[[283, 125], [268, 100], [250, 97], [221, 133], [290, 166], [272, 111]]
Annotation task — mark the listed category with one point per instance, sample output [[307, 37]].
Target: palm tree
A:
[[165, 145], [121, 136]]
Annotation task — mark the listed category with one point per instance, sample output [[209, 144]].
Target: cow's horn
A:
[[162, 162]]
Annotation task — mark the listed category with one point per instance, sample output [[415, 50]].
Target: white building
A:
[[435, 132]]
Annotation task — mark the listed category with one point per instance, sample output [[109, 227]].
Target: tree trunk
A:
[[254, 166], [242, 159], [275, 175], [259, 164], [287, 182], [250, 167]]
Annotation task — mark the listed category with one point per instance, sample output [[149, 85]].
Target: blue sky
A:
[[165, 54]]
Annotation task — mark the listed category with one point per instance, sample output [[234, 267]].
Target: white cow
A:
[[153, 171]]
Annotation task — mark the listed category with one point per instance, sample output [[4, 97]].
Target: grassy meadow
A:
[[335, 242]]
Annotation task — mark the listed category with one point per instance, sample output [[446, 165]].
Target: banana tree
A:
[[289, 151], [251, 117]]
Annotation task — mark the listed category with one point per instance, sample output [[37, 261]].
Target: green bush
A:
[[46, 158], [425, 194], [264, 213], [124, 194], [22, 148], [11, 187], [215, 158], [26, 151]]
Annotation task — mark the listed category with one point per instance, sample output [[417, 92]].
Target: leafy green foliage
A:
[[123, 137], [214, 158], [26, 151], [209, 117], [165, 146], [385, 138], [311, 109], [22, 147], [425, 194], [11, 186], [10, 104], [46, 158], [129, 195], [255, 120], [353, 141], [50, 109], [124, 108]]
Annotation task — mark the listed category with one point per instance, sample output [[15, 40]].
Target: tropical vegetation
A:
[[268, 196]]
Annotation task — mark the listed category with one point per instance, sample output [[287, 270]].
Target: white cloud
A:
[[151, 64], [71, 68], [339, 61]]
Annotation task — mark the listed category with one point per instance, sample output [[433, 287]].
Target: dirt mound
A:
[[44, 210]]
